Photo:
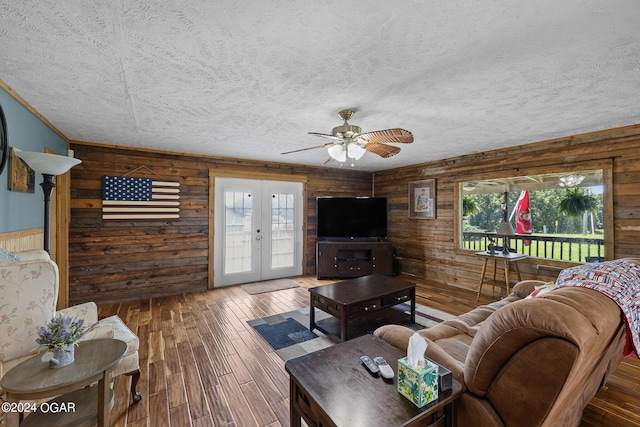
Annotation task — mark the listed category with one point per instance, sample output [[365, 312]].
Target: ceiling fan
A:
[[349, 142]]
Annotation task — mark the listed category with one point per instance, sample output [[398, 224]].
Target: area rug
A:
[[269, 286], [289, 340], [288, 333]]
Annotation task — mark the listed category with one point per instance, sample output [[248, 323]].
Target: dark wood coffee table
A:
[[330, 387], [358, 306]]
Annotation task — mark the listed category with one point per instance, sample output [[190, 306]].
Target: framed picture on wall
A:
[[422, 199], [21, 177]]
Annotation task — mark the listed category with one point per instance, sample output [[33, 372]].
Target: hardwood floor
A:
[[202, 365]]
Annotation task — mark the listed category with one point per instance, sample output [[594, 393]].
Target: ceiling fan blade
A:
[[382, 150], [329, 160], [328, 144], [324, 135], [388, 135]]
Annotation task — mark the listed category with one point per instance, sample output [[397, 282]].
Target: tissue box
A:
[[419, 385]]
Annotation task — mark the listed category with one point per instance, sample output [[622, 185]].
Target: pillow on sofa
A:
[[5, 256], [540, 290]]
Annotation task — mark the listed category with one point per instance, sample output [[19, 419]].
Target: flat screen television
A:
[[351, 218]]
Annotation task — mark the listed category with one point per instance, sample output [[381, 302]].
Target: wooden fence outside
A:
[[542, 246]]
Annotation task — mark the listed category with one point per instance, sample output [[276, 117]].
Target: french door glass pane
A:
[[282, 230], [238, 231]]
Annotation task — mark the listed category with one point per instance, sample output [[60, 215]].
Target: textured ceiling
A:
[[250, 79]]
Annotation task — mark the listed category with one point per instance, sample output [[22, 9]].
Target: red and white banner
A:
[[523, 215]]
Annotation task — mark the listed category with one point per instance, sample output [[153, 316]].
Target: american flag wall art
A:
[[140, 199]]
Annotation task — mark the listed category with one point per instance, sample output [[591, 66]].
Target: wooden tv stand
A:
[[353, 259]]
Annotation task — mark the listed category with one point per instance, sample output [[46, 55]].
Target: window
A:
[[557, 215]]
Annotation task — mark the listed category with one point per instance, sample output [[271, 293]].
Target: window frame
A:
[[606, 165]]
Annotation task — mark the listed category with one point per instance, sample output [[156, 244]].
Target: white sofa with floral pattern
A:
[[28, 297]]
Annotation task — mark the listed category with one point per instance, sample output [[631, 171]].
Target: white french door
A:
[[257, 230]]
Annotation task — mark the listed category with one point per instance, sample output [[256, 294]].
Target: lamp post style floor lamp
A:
[[49, 165]]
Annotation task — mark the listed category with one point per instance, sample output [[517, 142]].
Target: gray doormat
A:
[[269, 286]]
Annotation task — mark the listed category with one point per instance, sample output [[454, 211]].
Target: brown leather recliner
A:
[[526, 362]]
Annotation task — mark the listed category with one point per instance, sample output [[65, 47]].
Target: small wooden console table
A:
[[507, 259]]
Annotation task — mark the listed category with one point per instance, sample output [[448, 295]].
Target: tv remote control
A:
[[370, 365], [385, 370]]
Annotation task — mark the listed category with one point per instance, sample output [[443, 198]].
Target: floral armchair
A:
[[28, 296]]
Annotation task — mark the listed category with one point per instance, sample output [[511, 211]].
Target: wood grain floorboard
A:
[[202, 365]]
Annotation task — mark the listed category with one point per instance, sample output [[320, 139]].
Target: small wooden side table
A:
[[33, 380], [507, 259]]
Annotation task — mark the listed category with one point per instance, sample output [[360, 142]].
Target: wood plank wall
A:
[[427, 248], [22, 240], [132, 260]]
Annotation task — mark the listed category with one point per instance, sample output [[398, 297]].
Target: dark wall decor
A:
[[4, 143], [21, 177]]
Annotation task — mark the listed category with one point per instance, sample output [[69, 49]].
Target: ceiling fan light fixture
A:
[[337, 152], [355, 151], [570, 181]]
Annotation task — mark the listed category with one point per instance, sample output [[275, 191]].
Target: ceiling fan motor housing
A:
[[346, 131]]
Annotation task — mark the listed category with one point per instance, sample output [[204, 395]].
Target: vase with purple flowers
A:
[[59, 337]]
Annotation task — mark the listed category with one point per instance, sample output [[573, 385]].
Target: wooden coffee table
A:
[[33, 380], [358, 306], [330, 387]]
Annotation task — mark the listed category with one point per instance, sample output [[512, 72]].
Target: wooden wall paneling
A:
[[129, 260], [60, 229], [211, 232], [609, 226], [428, 248], [22, 240]]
